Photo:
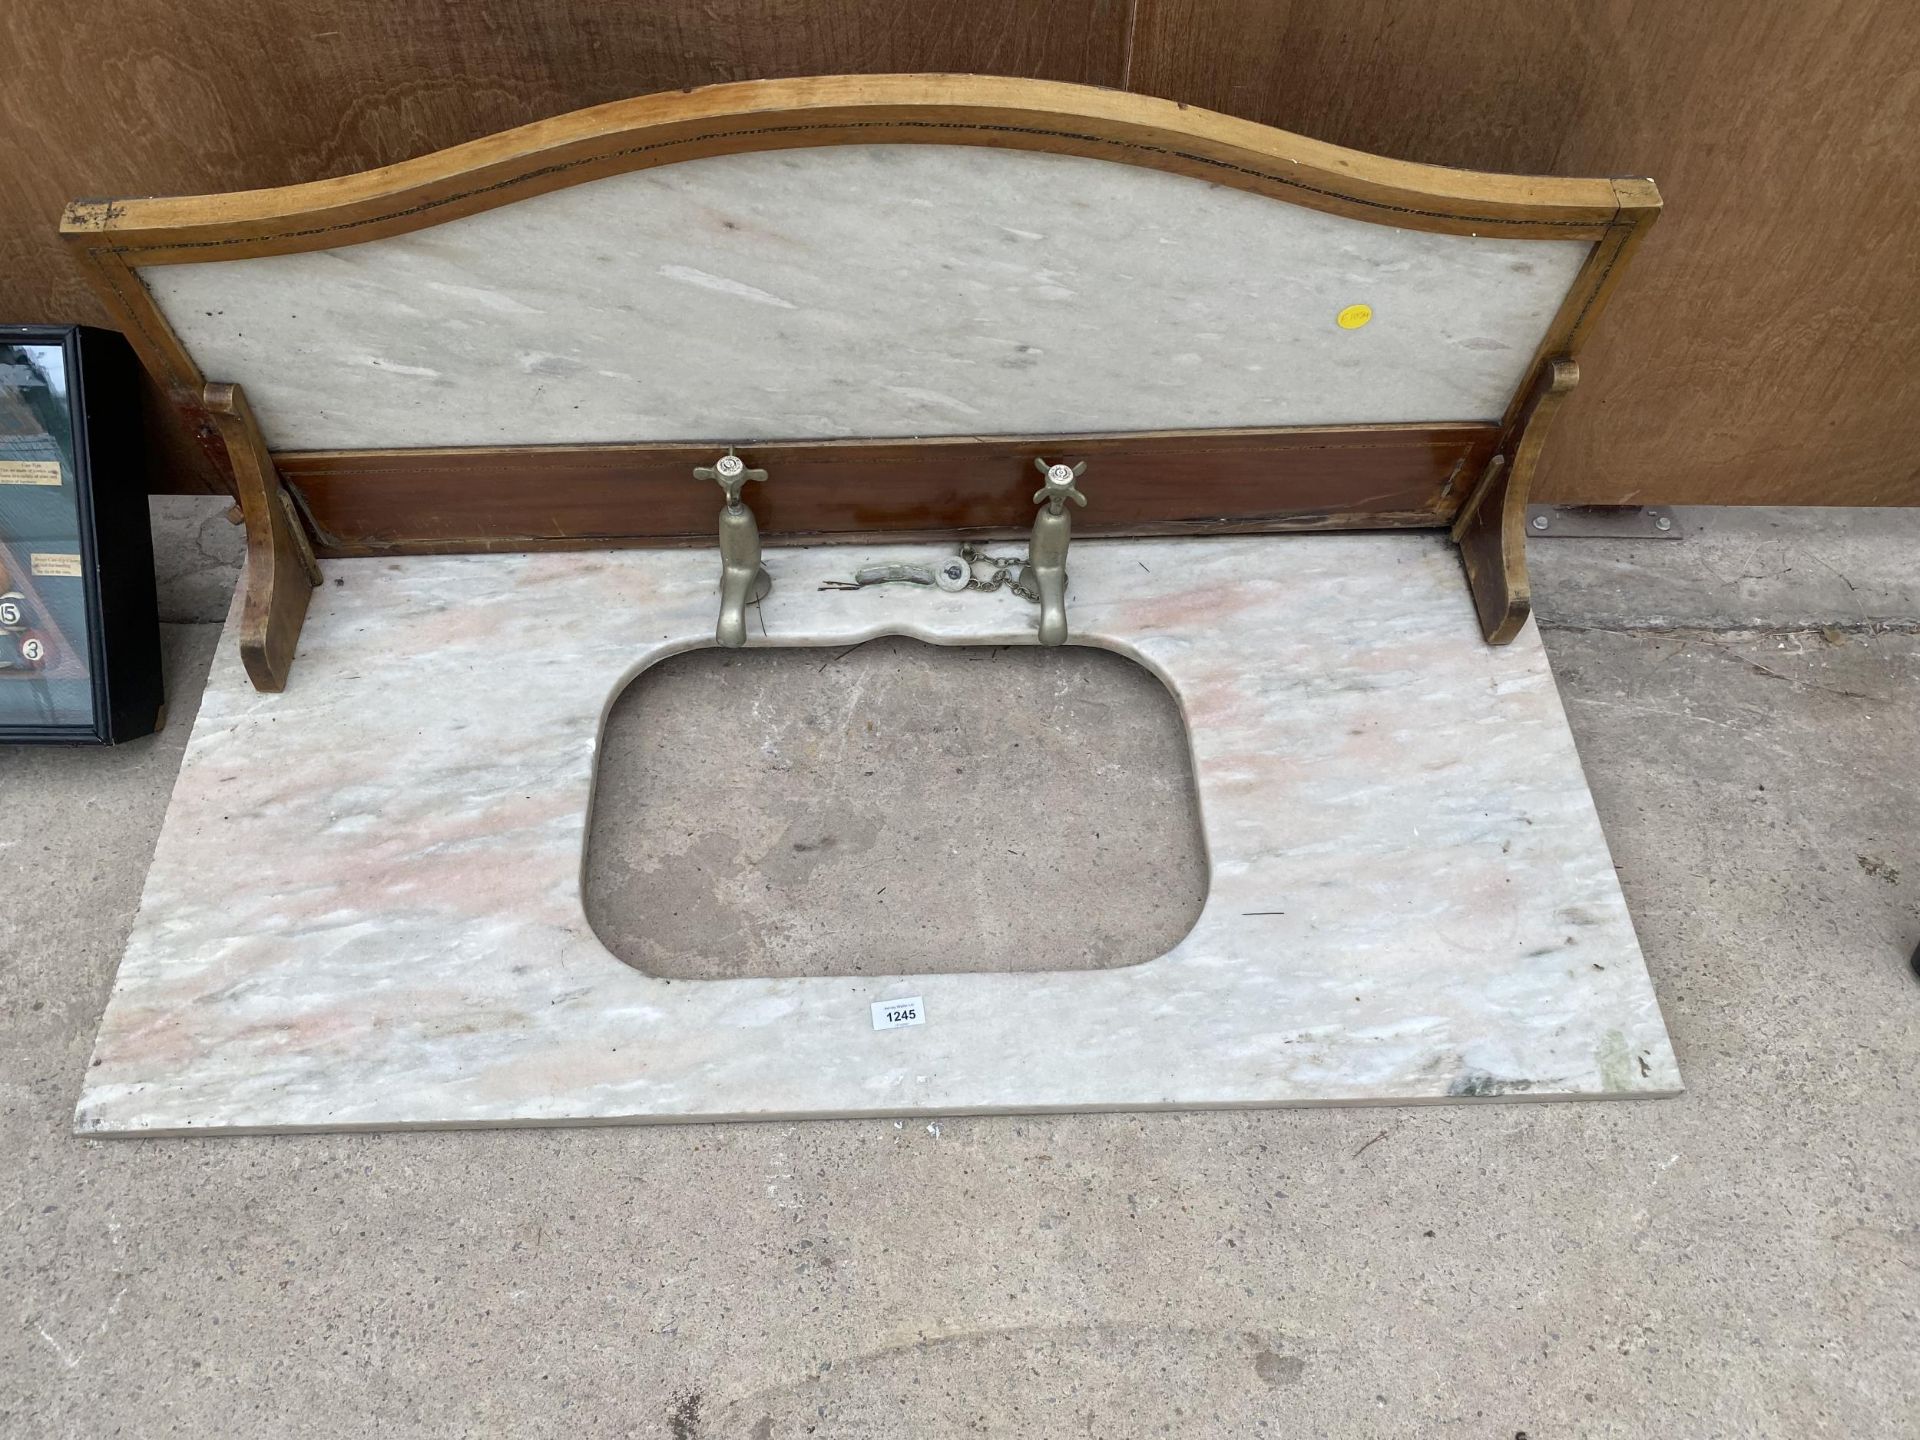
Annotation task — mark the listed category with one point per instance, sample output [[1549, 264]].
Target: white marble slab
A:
[[869, 290], [365, 906]]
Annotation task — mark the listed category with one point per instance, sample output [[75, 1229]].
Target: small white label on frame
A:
[[892, 1014]]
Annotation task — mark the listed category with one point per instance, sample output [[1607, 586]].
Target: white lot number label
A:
[[892, 1014]]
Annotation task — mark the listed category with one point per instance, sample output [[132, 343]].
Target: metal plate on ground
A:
[[1603, 522]]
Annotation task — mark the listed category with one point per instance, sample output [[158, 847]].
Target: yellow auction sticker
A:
[[1353, 317]]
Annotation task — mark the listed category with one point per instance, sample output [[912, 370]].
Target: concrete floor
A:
[[1742, 1261]]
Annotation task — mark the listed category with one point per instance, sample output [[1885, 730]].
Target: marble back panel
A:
[[871, 291]]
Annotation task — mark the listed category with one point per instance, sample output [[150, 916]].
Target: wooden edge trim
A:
[[1300, 524], [1600, 276], [1491, 528], [753, 115], [1167, 444], [281, 571], [133, 312]]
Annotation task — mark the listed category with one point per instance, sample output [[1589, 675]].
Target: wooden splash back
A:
[[1424, 421]]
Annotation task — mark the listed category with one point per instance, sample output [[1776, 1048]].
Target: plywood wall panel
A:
[[1766, 347], [1483, 84]]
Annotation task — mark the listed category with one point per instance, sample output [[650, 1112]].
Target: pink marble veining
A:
[[364, 909]]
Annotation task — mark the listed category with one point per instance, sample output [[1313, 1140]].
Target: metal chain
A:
[[1005, 569]]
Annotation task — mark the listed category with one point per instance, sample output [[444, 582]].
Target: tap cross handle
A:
[[732, 474], [1059, 487]]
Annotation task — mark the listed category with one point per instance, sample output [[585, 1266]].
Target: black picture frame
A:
[[114, 538]]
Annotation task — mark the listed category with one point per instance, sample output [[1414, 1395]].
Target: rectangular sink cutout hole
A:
[[894, 808]]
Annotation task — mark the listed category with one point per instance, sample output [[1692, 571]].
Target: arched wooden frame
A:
[[1470, 477]]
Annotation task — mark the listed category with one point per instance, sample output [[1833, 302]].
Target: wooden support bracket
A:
[[281, 571], [1491, 528]]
